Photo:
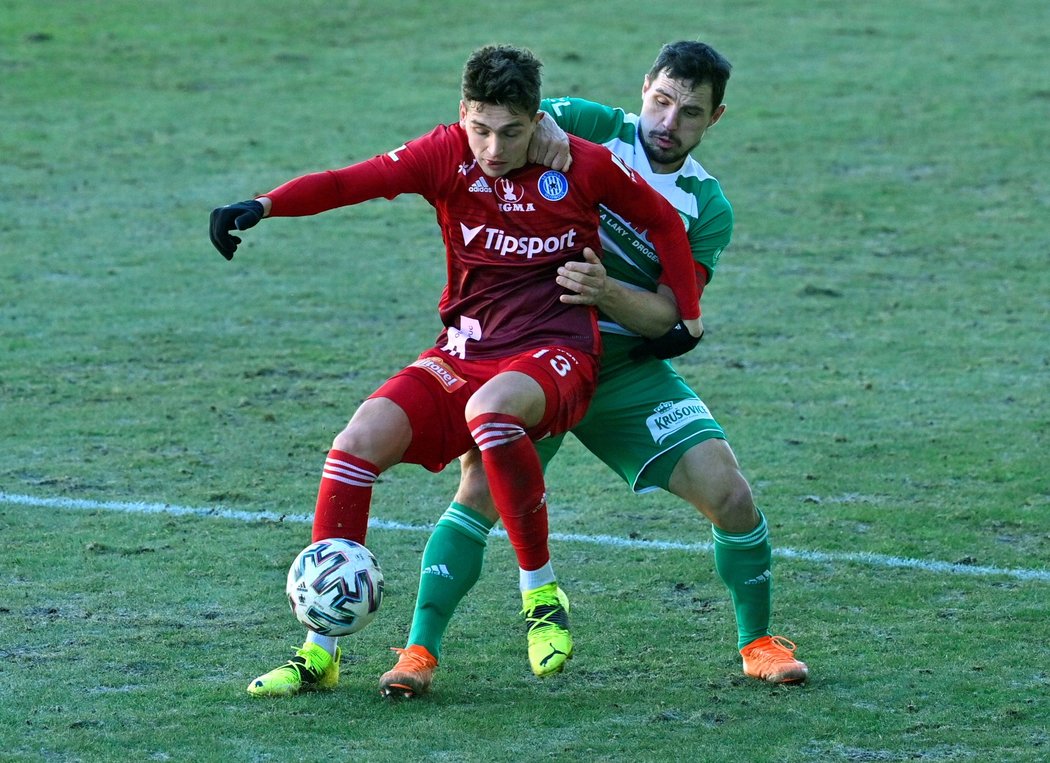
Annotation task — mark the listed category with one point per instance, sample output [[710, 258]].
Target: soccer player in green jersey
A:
[[645, 422]]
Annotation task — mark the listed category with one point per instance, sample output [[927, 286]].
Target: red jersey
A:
[[506, 237]]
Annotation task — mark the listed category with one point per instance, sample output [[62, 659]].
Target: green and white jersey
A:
[[629, 255]]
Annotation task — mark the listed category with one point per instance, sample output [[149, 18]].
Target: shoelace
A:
[[415, 662], [777, 648], [306, 665], [544, 616]]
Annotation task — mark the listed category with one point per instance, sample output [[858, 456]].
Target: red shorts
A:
[[435, 389]]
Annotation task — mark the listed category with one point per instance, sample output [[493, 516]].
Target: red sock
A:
[[344, 497], [516, 481]]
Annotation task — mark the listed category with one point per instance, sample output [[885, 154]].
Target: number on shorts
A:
[[559, 363]]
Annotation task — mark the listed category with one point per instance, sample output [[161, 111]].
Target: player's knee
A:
[[724, 497], [379, 432], [489, 401], [734, 509], [709, 478], [509, 394], [348, 440]]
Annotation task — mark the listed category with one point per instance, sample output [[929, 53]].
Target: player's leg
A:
[[374, 440], [413, 418], [457, 545], [451, 565], [708, 476], [536, 394], [454, 555], [499, 416], [652, 429]]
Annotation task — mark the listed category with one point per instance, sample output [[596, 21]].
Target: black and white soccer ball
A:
[[335, 587]]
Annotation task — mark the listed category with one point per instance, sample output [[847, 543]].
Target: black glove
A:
[[677, 341], [242, 216]]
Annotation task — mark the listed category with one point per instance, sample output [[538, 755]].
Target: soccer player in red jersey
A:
[[644, 421], [515, 362]]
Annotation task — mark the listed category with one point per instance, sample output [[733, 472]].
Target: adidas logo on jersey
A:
[[480, 186], [438, 569]]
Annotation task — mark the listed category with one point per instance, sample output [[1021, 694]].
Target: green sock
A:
[[451, 566], [743, 561]]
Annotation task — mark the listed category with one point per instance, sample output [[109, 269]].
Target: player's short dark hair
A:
[[696, 63], [504, 76]]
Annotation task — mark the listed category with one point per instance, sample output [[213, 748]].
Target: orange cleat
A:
[[772, 659], [412, 674]]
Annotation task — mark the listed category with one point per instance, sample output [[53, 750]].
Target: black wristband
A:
[[677, 341]]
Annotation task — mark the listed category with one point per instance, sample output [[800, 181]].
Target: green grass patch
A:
[[876, 350]]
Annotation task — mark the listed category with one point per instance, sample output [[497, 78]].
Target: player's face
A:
[[498, 137], [674, 119]]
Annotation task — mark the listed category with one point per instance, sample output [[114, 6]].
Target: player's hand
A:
[[677, 341], [586, 281], [240, 216], [550, 145]]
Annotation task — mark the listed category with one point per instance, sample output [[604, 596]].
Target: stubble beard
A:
[[674, 155]]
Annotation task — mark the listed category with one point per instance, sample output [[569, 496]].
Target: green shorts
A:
[[642, 419]]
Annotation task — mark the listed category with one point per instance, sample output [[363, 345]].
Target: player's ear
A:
[[463, 114], [717, 115]]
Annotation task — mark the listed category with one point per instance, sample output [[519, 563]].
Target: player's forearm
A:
[[650, 314], [679, 268], [321, 191]]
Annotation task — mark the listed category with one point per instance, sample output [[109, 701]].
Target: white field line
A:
[[862, 558]]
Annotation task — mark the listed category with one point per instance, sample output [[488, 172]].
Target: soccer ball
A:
[[335, 587]]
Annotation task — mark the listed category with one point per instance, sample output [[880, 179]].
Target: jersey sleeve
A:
[[625, 192], [588, 120], [407, 169], [711, 232]]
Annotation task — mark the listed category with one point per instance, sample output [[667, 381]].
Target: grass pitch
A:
[[876, 349]]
